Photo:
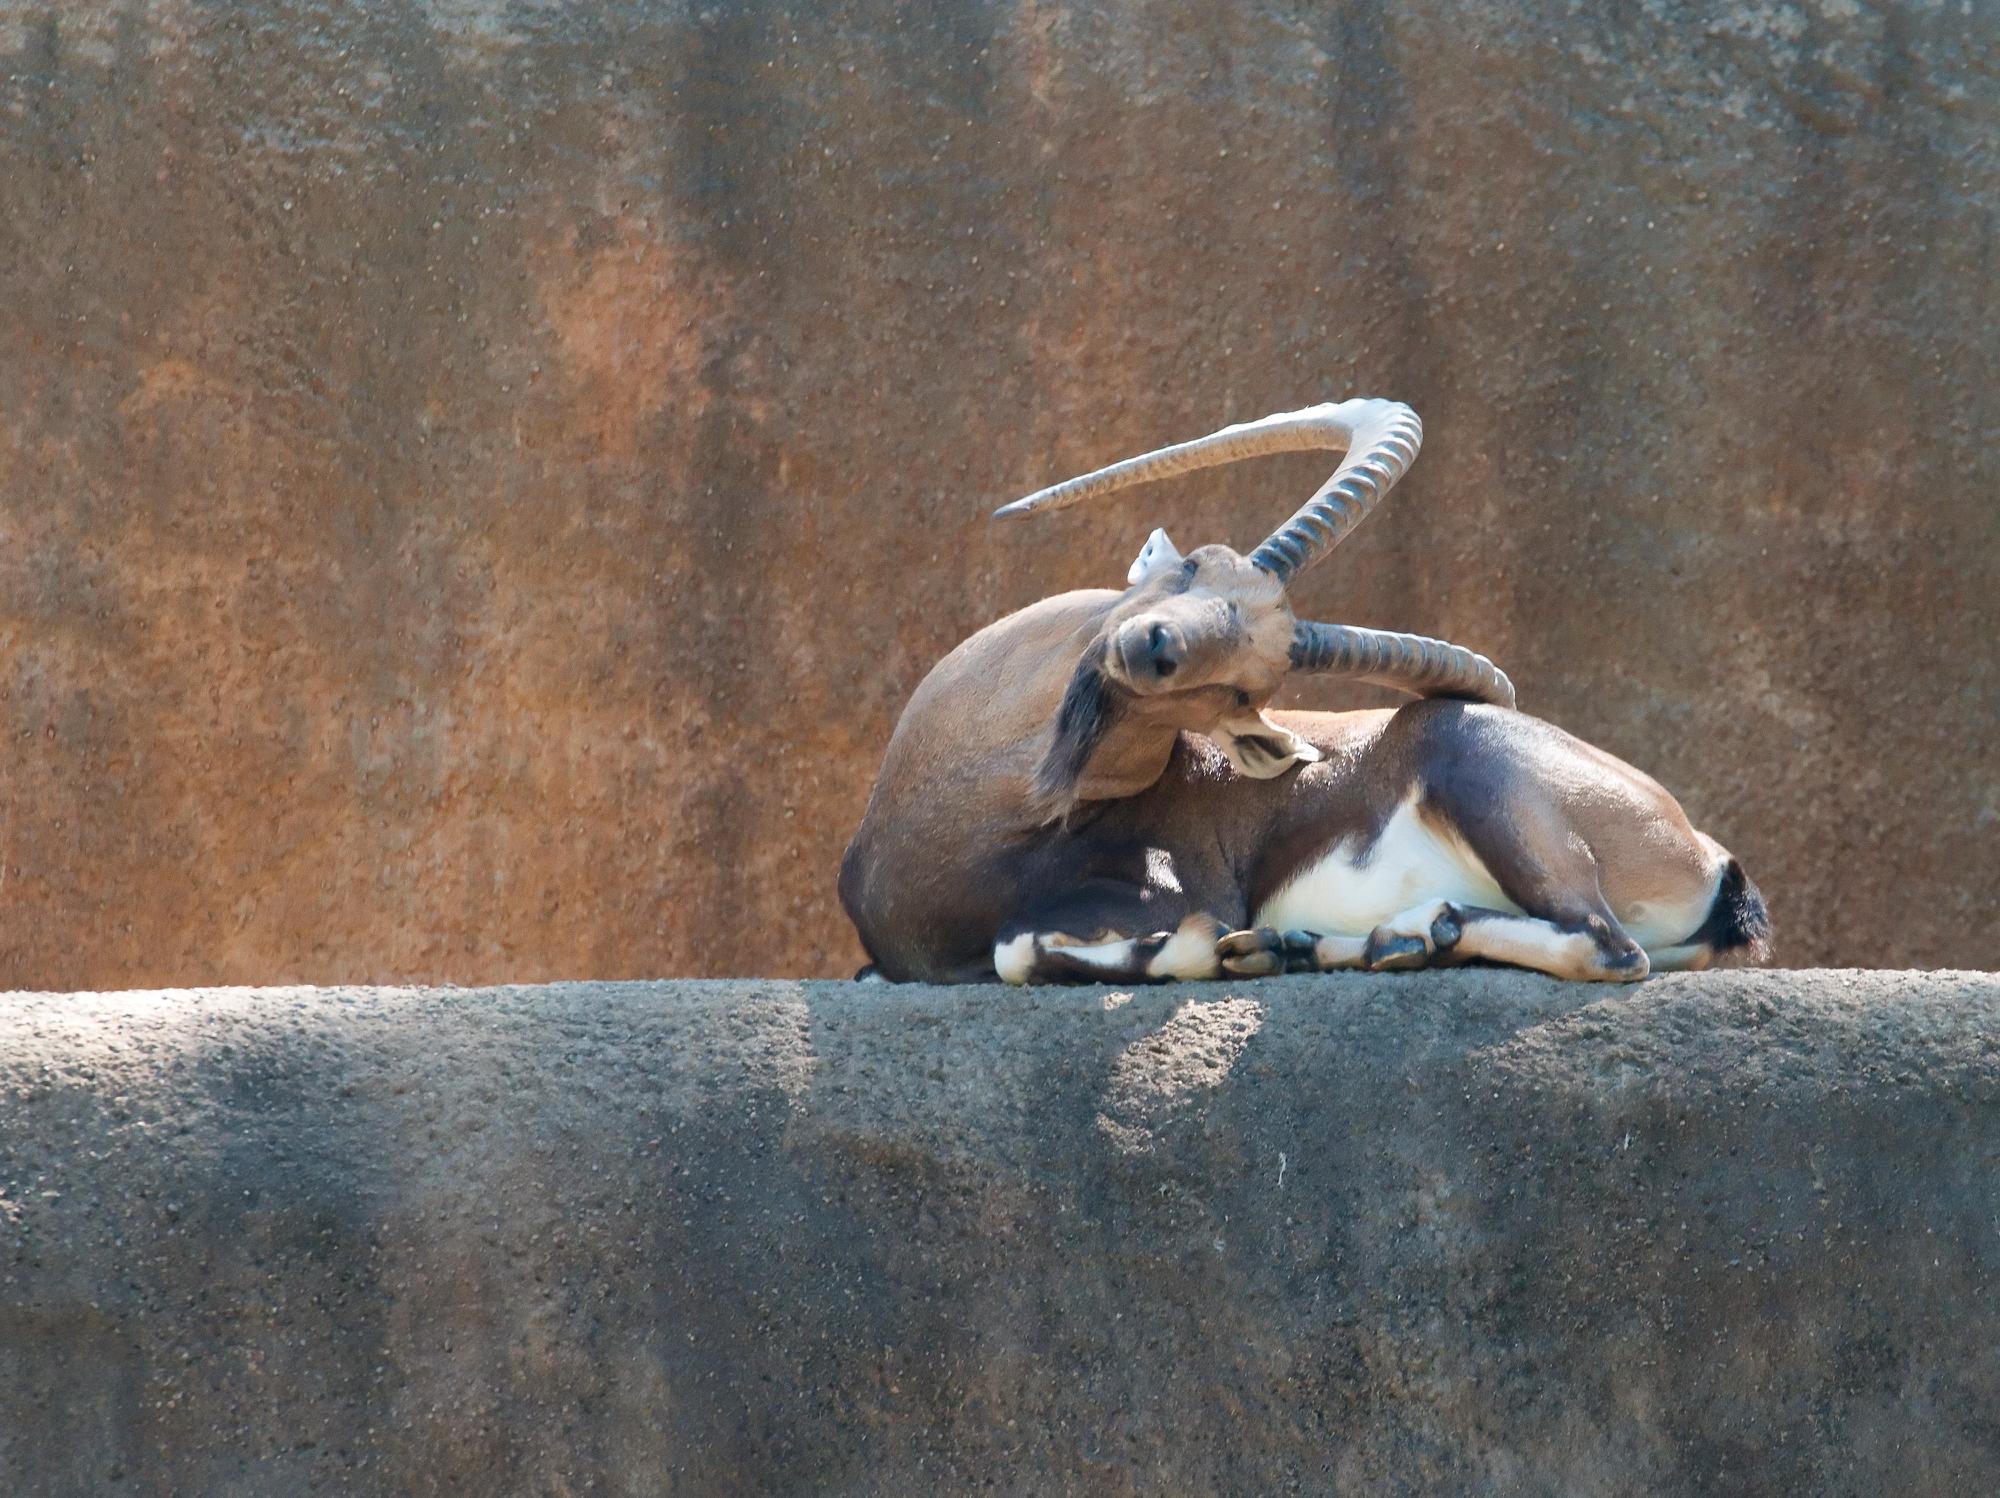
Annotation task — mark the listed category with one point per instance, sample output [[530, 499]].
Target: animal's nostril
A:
[[1159, 645]]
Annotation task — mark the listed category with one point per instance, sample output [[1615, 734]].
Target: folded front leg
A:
[[1108, 936], [1264, 951]]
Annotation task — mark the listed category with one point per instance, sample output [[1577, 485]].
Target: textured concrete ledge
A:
[[1457, 1232]]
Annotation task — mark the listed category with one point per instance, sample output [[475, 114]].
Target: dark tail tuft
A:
[[1737, 920]]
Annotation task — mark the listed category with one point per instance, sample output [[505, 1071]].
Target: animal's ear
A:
[[1157, 554], [1259, 748]]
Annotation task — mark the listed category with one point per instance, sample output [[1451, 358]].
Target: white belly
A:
[[1351, 889]]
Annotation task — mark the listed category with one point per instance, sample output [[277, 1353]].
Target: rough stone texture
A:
[[1457, 1232], [478, 480]]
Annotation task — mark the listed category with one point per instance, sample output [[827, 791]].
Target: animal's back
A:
[[928, 870], [1472, 793]]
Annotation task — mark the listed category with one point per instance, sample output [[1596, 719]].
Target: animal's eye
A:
[[1190, 567], [1242, 698]]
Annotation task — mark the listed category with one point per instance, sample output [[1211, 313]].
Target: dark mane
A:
[[1091, 704]]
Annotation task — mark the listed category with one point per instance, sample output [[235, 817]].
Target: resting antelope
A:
[[1091, 789]]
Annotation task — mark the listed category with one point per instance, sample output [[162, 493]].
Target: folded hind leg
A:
[[1591, 949], [1542, 864]]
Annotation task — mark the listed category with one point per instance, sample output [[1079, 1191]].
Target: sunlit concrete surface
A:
[[1457, 1232]]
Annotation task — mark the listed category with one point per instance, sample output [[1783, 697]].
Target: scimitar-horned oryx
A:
[[1091, 790]]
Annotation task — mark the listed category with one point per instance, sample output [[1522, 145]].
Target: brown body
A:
[[962, 859], [1090, 788]]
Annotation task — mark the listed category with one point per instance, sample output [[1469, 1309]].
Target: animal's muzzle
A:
[[1150, 651]]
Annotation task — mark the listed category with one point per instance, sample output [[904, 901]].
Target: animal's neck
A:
[[1132, 756], [1200, 801]]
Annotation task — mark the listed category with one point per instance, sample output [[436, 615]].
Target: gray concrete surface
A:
[[1458, 1232]]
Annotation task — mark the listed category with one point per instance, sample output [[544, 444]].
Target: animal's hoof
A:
[[1242, 943], [1627, 966], [1446, 929], [1252, 954], [1254, 965], [1260, 953], [1388, 953]]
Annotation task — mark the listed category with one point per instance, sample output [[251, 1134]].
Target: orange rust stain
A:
[[628, 322]]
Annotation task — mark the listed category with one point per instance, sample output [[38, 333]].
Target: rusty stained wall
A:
[[478, 481]]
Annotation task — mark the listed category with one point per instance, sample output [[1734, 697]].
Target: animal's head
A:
[[1210, 620], [1203, 641]]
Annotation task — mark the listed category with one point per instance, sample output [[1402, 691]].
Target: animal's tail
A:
[[1737, 920]]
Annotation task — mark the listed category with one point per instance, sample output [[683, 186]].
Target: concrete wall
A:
[[478, 480], [1450, 1233]]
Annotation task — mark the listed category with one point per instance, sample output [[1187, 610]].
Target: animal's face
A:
[[1190, 630], [1198, 643]]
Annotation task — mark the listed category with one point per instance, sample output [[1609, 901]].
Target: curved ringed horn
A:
[[1379, 437], [1410, 663]]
